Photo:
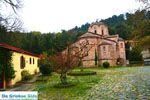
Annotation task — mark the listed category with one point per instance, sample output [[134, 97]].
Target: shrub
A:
[[99, 65], [106, 64], [35, 71], [26, 75], [45, 69], [135, 56]]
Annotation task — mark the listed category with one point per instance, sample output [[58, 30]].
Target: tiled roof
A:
[[90, 34], [110, 40], [15, 49], [105, 43], [111, 36]]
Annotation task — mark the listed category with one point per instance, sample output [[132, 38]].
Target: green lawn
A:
[[82, 85], [107, 84]]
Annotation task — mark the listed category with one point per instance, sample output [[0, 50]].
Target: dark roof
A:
[[15, 49]]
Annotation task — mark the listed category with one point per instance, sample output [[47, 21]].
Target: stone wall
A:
[[99, 29], [89, 63]]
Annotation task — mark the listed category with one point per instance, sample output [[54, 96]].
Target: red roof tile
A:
[[105, 43], [19, 50]]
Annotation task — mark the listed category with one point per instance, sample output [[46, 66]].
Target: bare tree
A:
[[146, 4], [14, 4], [63, 62], [11, 22], [81, 51], [68, 59]]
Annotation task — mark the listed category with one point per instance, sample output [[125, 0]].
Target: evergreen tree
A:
[[6, 67]]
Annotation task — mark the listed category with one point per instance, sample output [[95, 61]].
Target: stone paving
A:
[[130, 85], [26, 86]]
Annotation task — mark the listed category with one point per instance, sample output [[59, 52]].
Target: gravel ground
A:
[[125, 84]]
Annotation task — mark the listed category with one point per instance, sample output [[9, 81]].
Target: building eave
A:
[[18, 50]]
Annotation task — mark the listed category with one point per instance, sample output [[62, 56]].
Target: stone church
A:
[[105, 47]]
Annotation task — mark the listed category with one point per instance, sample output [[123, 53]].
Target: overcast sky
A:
[[55, 15]]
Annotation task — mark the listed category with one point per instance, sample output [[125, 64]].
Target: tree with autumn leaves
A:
[[70, 58], [62, 63], [65, 61]]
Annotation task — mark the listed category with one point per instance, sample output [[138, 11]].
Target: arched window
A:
[[95, 31], [30, 61], [104, 48], [33, 60], [102, 32], [22, 62], [121, 45]]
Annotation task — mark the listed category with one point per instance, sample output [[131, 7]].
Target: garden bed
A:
[[81, 73]]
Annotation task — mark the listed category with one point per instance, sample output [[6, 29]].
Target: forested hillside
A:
[[128, 26]]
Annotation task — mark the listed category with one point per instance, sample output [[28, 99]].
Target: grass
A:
[[84, 84]]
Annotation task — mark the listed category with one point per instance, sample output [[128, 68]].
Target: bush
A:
[[135, 56], [45, 69], [106, 64], [81, 73], [99, 65], [26, 75], [35, 71]]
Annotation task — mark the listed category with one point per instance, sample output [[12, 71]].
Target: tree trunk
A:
[[63, 78], [81, 65], [4, 81]]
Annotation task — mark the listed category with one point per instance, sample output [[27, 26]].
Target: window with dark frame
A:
[[95, 31], [33, 60], [102, 32], [22, 62], [121, 45], [104, 48], [30, 61]]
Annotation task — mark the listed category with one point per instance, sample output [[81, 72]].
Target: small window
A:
[[102, 32], [95, 31], [30, 61], [22, 62], [104, 48], [121, 45], [33, 60]]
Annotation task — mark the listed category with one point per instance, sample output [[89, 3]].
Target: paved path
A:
[[26, 86], [129, 85]]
